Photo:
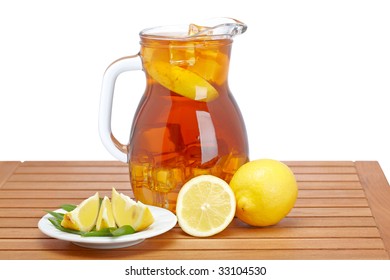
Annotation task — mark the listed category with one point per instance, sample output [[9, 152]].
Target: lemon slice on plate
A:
[[128, 212], [106, 217], [83, 217], [205, 206]]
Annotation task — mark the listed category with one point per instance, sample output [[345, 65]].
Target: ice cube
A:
[[168, 179], [200, 171], [211, 64], [195, 29], [182, 53], [233, 162]]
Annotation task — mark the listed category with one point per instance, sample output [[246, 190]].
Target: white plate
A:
[[164, 220]]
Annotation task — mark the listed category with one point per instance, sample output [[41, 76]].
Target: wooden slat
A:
[[330, 202], [300, 203], [321, 254], [119, 163], [296, 212], [323, 169], [73, 163], [38, 170], [337, 185], [319, 163], [331, 193], [92, 186], [57, 194], [125, 177], [229, 233], [330, 212], [308, 222], [108, 185], [61, 193], [377, 190], [217, 244], [124, 169], [18, 222], [69, 177], [327, 177], [301, 222]]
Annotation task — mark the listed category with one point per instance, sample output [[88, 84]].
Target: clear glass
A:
[[187, 122]]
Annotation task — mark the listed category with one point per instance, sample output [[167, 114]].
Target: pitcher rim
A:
[[180, 32]]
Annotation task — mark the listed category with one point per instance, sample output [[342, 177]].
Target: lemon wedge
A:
[[205, 206], [105, 218], [181, 81], [128, 212], [83, 217]]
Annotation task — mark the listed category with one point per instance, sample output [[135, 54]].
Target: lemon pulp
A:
[[84, 216], [205, 206], [128, 212], [105, 218]]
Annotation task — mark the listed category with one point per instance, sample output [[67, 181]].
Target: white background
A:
[[312, 78]]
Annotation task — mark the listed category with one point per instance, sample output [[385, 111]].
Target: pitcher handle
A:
[[124, 64]]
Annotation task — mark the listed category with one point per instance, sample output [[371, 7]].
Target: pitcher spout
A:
[[217, 28]]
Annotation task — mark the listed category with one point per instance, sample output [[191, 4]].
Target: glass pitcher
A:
[[187, 122]]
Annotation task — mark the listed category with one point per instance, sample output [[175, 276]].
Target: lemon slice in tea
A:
[[205, 206], [83, 217], [181, 81]]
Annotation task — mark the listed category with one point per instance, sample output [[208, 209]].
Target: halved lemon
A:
[[128, 212], [205, 206], [83, 217], [105, 218]]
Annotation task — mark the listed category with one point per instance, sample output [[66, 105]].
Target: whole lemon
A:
[[265, 191]]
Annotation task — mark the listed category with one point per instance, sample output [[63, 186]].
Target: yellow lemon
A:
[[84, 216], [205, 206], [105, 218], [265, 190], [181, 81], [128, 212]]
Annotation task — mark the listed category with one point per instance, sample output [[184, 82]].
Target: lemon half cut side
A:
[[205, 206]]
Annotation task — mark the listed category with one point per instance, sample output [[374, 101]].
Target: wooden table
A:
[[343, 212]]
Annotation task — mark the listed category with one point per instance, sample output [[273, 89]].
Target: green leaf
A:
[[102, 232], [123, 230], [68, 207], [56, 215]]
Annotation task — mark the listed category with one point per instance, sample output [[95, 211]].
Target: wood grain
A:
[[6, 170], [342, 212]]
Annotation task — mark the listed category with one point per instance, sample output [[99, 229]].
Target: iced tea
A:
[[187, 123]]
